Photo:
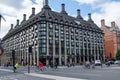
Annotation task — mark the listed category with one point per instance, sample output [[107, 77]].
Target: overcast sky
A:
[[100, 9]]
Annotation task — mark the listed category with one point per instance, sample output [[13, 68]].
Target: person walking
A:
[[16, 66], [56, 65], [93, 64]]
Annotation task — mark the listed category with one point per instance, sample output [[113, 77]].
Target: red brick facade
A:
[[111, 39]]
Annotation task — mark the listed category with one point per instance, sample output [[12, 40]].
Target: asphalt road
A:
[[8, 75], [64, 73]]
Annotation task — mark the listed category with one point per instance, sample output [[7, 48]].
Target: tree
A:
[[118, 55]]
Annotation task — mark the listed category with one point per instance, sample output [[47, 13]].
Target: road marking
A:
[[53, 77], [113, 68], [76, 73], [7, 70]]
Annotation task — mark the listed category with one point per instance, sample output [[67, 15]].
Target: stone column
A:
[[54, 56], [70, 45], [47, 61], [75, 61], [59, 47], [65, 45], [38, 24]]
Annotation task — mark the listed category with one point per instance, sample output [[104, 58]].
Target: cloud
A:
[[86, 1], [92, 2], [12, 12], [13, 3], [108, 10]]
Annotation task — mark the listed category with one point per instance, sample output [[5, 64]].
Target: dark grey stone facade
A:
[[55, 36]]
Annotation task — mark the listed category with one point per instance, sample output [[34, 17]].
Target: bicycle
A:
[[38, 69]]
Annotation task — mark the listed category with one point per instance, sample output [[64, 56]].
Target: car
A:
[[97, 62], [111, 62], [117, 62]]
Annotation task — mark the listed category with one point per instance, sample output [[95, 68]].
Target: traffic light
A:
[[13, 57], [13, 54]]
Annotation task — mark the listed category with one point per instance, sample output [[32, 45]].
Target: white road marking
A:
[[53, 77], [76, 73], [7, 70], [113, 68]]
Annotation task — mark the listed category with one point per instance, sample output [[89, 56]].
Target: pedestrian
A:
[[56, 65], [93, 64], [16, 66], [87, 64], [73, 64], [51, 64], [68, 64]]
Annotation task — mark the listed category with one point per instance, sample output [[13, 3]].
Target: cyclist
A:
[[40, 65]]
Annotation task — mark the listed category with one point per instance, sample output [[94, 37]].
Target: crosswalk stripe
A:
[[53, 77]]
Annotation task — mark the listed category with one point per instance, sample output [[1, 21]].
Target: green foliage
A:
[[118, 55]]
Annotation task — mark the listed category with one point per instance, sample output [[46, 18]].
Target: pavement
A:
[[62, 73]]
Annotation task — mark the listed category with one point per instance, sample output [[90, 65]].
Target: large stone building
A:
[[55, 36], [111, 39]]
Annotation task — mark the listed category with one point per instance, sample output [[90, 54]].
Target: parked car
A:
[[117, 62], [97, 62], [111, 62]]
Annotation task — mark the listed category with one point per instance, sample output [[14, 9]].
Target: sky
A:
[[12, 10]]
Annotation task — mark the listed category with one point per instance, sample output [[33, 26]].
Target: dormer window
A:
[[56, 20], [50, 18]]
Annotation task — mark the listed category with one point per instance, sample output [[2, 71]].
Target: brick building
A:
[[111, 39]]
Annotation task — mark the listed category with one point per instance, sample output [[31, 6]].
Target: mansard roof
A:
[[49, 14]]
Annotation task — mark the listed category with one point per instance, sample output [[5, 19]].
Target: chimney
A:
[[89, 18], [63, 9], [45, 5], [46, 2], [78, 14], [113, 24], [24, 17], [33, 11], [11, 26], [17, 21], [102, 23]]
